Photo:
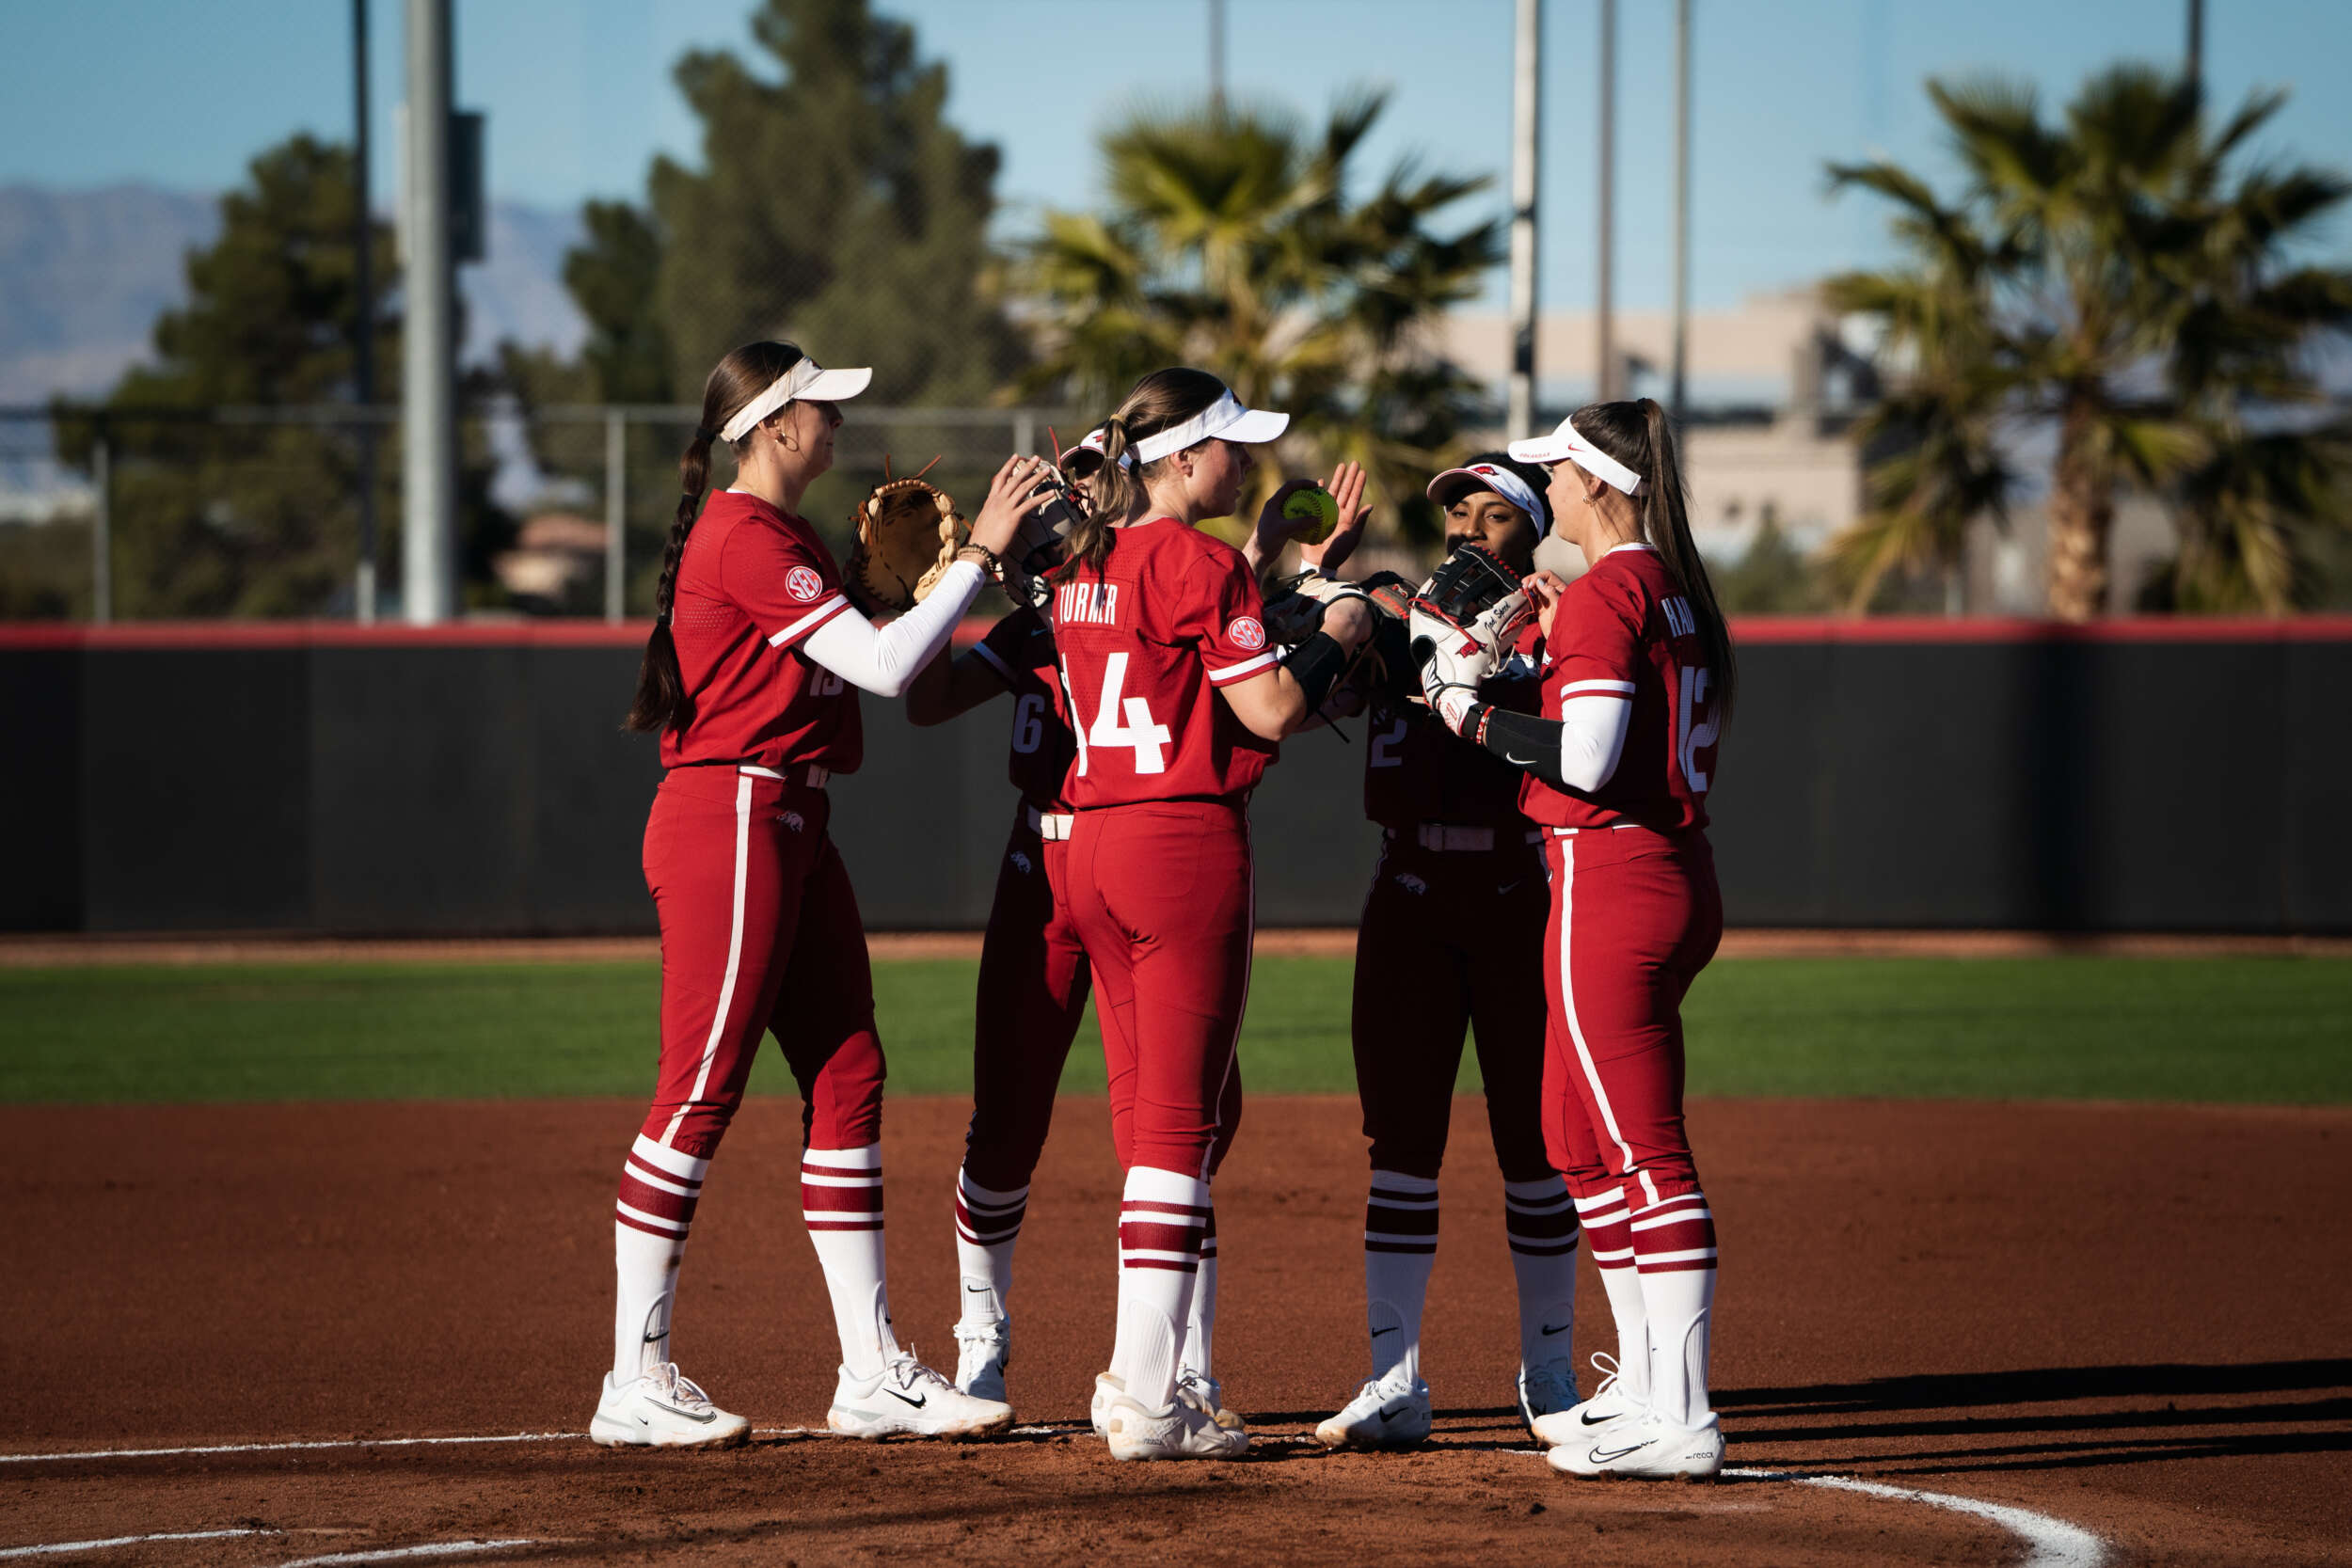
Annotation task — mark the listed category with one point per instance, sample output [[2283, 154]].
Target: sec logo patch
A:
[[1246, 633], [803, 583]]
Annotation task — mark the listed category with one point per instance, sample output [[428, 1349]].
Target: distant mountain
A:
[[85, 273]]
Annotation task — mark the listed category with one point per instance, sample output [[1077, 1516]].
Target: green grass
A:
[[2258, 1030]]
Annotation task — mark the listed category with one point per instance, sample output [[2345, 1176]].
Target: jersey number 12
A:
[[1692, 738], [1121, 722]]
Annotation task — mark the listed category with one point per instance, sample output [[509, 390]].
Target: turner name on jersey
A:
[[1086, 604]]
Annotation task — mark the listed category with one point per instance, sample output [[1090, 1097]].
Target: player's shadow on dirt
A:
[[1826, 1413], [1951, 1391]]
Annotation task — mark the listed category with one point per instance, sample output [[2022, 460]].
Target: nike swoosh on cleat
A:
[[1390, 1329], [976, 1290], [705, 1418], [1588, 1419], [1550, 1331], [1601, 1458], [1394, 1408], [903, 1399], [1521, 762], [1505, 888]]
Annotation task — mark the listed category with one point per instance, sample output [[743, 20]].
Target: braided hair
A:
[[661, 701]]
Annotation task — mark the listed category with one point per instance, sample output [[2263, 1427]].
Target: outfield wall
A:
[[2133, 775]]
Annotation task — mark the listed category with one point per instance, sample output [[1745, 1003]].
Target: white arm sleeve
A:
[[1592, 738], [883, 659]]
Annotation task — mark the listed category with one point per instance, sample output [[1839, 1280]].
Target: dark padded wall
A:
[[484, 789]]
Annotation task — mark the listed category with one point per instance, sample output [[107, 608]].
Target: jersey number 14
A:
[[1121, 724]]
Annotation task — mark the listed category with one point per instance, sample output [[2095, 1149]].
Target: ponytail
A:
[[1112, 491], [662, 701], [1640, 435]]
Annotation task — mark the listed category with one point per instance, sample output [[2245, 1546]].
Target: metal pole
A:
[[1526, 149], [363, 315], [615, 515], [101, 531], [428, 388], [1216, 57], [1024, 433], [1682, 208], [1603, 321], [2196, 71]]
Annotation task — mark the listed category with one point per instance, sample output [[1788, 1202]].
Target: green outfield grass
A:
[[2260, 1030]]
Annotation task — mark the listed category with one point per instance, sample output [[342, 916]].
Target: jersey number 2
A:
[[1140, 731], [1689, 739]]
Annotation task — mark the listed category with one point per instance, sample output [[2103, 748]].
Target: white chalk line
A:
[[397, 1554], [2055, 1543]]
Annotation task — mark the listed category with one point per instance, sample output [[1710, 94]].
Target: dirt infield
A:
[[2132, 1319]]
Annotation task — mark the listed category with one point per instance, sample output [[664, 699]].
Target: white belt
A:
[[1445, 837], [815, 777], [1613, 827], [1051, 824]]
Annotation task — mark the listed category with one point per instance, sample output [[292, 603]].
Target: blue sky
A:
[[578, 95]]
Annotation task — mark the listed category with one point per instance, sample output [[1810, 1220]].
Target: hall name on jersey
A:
[[1679, 621], [1086, 604]]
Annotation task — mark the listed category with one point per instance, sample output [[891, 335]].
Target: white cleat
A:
[[1107, 1388], [982, 1353], [1182, 1429], [662, 1409], [1546, 1390], [1210, 1395], [1646, 1449], [907, 1399], [1383, 1415], [1609, 1406]]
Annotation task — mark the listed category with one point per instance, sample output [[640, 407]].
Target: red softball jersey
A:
[[753, 584], [1416, 770], [1020, 648], [1145, 641], [1624, 630]]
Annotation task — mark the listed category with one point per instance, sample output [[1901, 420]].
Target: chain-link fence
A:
[[564, 510]]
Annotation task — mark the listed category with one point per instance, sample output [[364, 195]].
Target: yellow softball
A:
[[1316, 503]]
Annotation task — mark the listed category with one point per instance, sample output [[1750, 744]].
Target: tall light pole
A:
[[1216, 57], [2196, 67], [1682, 208], [363, 315], [1604, 325], [1526, 142], [429, 351]]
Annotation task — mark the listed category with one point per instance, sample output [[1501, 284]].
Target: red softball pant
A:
[[1162, 898], [1635, 915], [759, 932], [1449, 941], [1033, 980]]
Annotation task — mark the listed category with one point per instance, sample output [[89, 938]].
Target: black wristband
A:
[[1523, 740], [1316, 665]]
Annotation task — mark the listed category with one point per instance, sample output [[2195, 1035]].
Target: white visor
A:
[[805, 382], [1568, 445], [1225, 418], [1452, 484]]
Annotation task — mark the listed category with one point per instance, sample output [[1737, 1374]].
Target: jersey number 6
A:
[[1140, 732]]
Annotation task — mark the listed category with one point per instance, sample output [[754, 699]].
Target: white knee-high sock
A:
[[660, 1188], [1539, 1220], [1674, 1248], [1607, 1225], [841, 1201], [1400, 1249], [1161, 1217], [1200, 1326], [987, 1224]]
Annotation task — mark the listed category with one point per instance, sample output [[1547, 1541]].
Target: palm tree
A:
[[2136, 294], [1229, 242]]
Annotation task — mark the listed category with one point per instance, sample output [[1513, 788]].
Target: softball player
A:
[[1456, 910], [748, 680], [1638, 680], [1176, 701]]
